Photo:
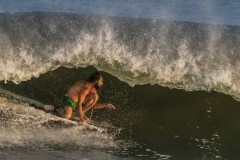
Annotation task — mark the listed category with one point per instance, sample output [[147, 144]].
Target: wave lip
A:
[[182, 55]]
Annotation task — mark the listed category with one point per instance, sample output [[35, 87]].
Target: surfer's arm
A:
[[104, 105], [79, 107], [81, 98]]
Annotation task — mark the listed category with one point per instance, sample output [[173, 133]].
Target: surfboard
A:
[[103, 124], [108, 127], [74, 120]]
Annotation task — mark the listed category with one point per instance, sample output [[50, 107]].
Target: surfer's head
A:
[[96, 79]]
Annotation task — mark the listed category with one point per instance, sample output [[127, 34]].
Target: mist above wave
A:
[[210, 12]]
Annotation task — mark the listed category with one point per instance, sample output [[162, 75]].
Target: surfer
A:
[[82, 96]]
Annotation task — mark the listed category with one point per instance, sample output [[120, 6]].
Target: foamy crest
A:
[[176, 55]]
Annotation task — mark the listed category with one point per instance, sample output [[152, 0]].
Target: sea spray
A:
[[182, 55], [25, 126]]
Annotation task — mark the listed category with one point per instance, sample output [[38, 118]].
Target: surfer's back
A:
[[78, 88]]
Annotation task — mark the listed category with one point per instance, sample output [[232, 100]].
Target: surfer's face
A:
[[99, 84]]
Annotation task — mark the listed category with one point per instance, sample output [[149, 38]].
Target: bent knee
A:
[[92, 98], [68, 113], [68, 116], [95, 97]]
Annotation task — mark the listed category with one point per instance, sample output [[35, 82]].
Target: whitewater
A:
[[182, 55], [142, 49]]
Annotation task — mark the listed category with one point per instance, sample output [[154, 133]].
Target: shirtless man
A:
[[81, 93]]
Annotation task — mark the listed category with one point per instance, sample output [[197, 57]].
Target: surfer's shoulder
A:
[[84, 84]]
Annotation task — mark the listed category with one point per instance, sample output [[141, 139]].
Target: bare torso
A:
[[83, 93], [78, 88]]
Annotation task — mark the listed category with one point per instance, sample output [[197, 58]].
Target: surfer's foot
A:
[[87, 119], [49, 108]]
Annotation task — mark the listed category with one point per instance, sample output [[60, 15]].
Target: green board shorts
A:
[[68, 102]]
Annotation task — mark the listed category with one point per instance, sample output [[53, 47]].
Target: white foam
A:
[[210, 70], [24, 126]]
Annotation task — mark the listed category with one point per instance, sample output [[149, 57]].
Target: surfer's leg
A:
[[90, 101], [48, 108], [65, 112]]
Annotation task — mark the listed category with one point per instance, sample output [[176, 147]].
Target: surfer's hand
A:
[[110, 106], [84, 119]]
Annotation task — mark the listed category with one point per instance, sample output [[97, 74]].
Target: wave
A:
[[182, 55]]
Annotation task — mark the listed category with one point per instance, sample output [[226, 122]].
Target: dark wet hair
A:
[[94, 77]]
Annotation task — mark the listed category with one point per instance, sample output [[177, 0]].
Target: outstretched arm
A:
[[104, 105]]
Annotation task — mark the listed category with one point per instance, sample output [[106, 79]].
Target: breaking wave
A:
[[182, 55]]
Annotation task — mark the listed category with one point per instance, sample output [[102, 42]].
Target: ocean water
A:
[[170, 67]]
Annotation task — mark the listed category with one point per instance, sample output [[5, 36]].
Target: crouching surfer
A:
[[82, 96]]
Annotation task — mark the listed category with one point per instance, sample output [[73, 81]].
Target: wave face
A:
[[182, 55]]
